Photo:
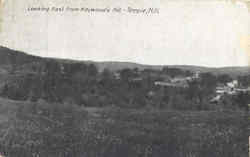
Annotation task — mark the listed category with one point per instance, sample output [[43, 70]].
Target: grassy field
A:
[[175, 133], [59, 130]]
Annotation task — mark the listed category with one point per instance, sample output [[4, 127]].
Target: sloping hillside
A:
[[9, 57], [56, 130]]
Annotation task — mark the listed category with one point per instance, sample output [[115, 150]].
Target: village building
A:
[[216, 99], [177, 81], [231, 88], [137, 79], [233, 84], [117, 76], [182, 84]]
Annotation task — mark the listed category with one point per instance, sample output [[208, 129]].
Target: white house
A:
[[233, 84]]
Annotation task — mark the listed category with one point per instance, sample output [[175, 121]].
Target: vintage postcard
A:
[[124, 78]]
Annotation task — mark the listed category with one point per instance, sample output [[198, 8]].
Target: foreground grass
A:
[[57, 130], [175, 133]]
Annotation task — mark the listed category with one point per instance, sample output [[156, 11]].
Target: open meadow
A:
[[42, 129]]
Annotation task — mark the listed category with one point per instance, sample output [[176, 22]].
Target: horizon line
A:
[[129, 62]]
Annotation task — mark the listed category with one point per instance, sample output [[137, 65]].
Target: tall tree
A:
[[224, 78], [92, 70]]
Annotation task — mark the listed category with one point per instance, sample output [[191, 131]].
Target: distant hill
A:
[[232, 71], [9, 57], [114, 66]]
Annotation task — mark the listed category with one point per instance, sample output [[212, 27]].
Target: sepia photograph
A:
[[89, 78]]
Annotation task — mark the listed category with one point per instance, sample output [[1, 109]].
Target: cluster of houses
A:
[[165, 80], [178, 81], [230, 88]]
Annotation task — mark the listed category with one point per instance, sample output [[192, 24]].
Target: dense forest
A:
[[84, 85]]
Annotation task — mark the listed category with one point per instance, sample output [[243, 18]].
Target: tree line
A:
[[82, 84]]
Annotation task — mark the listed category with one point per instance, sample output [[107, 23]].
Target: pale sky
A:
[[193, 32]]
